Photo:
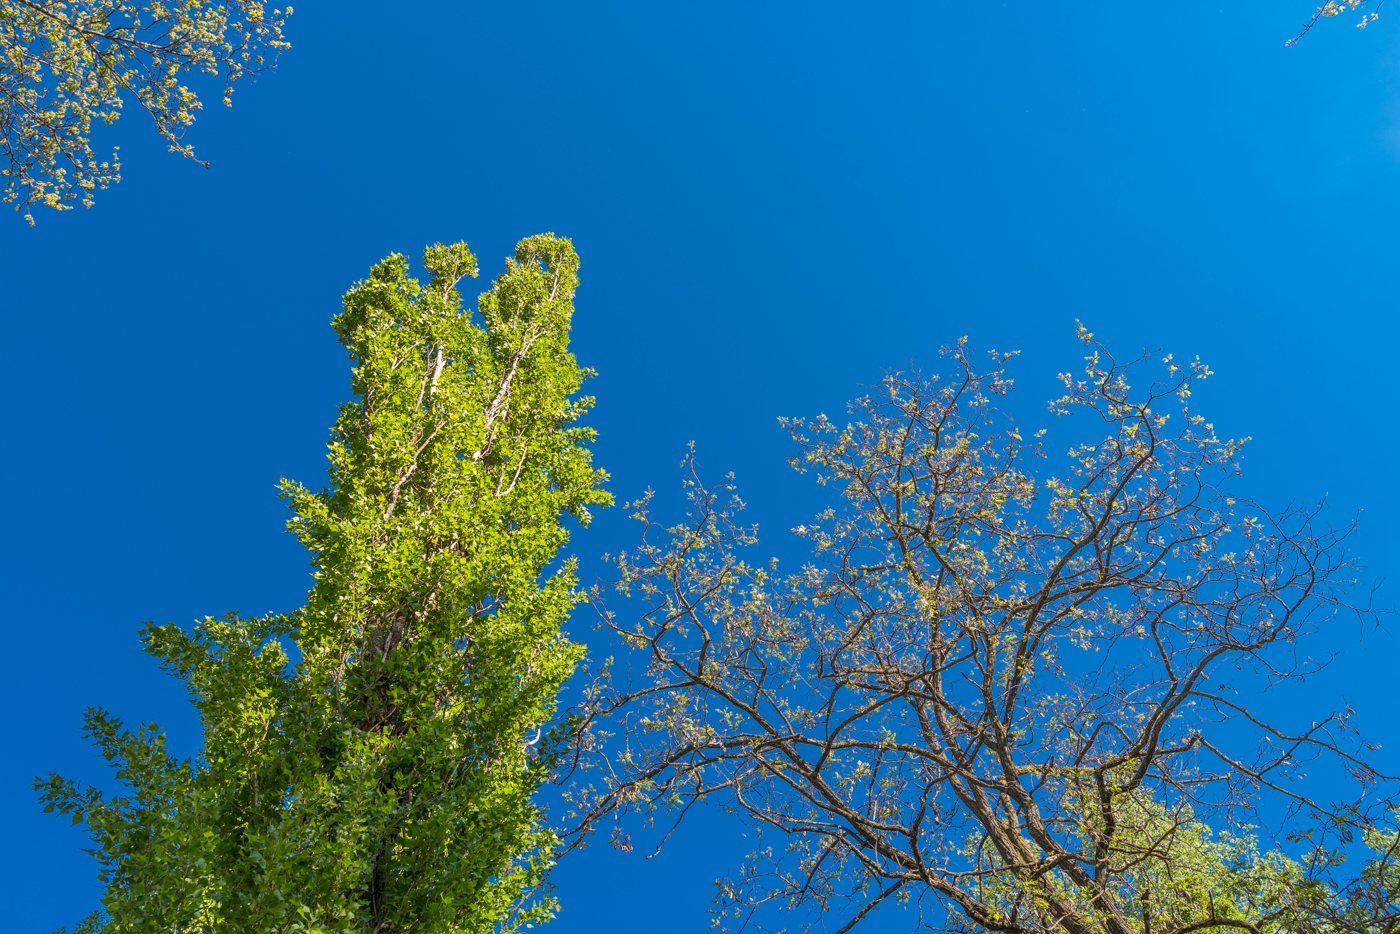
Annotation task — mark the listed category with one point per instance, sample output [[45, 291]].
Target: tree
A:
[[382, 780], [67, 64], [1012, 701], [1367, 902]]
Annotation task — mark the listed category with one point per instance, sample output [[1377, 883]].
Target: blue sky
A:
[[771, 203]]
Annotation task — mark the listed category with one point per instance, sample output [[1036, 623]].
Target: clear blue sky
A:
[[771, 201]]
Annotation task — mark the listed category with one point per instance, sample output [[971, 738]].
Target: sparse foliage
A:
[[1336, 8], [1015, 704], [65, 64]]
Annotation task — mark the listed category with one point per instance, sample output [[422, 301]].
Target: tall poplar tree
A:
[[382, 780]]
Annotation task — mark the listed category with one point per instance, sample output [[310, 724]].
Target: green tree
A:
[[382, 781], [67, 63], [1007, 695]]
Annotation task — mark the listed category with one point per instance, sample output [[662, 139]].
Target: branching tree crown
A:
[[1009, 701], [64, 65], [383, 781]]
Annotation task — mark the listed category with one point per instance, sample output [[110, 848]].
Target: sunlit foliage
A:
[[383, 780], [1336, 8], [1005, 689], [65, 64]]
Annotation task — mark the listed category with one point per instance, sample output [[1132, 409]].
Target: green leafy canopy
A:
[[65, 64], [383, 780]]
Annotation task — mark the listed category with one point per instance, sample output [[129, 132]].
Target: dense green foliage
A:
[[382, 780]]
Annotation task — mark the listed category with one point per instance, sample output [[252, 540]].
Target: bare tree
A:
[[1004, 701]]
